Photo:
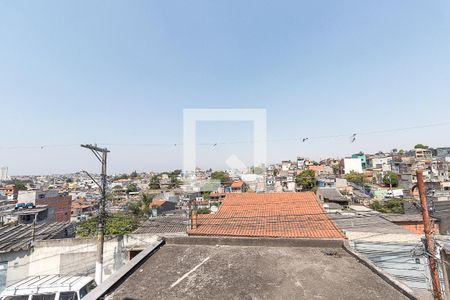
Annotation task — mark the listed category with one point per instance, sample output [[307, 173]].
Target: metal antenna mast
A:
[[101, 154]]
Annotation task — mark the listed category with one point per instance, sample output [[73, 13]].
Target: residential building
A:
[[363, 159], [352, 165], [294, 215], [159, 206], [332, 195], [59, 206], [16, 241], [238, 186], [443, 152], [421, 153]]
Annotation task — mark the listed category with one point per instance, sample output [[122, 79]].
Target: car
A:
[[50, 287]]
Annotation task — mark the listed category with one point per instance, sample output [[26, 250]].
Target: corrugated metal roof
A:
[[332, 194], [166, 224], [19, 237]]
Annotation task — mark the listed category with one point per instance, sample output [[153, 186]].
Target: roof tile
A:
[[294, 215]]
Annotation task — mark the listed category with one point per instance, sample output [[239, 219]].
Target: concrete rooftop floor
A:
[[253, 272]]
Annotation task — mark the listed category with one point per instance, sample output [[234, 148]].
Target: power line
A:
[[305, 138]]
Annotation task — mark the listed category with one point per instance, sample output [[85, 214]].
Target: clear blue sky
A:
[[123, 71]]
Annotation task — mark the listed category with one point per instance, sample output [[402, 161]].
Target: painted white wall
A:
[[352, 164], [73, 256]]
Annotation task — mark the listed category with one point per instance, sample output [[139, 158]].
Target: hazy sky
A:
[[121, 72]]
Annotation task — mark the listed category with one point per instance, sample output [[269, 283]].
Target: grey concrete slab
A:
[[253, 272]]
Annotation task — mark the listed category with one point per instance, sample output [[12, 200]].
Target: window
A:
[[133, 253], [68, 296], [24, 297], [43, 297], [87, 288]]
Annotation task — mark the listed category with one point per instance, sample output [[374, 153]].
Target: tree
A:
[[132, 188], [133, 174], [147, 199], [154, 183], [390, 178], [394, 206], [20, 185], [306, 179], [356, 178], [420, 146], [115, 224], [335, 169], [222, 176], [203, 211]]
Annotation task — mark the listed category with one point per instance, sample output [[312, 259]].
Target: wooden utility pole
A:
[[101, 154], [431, 253]]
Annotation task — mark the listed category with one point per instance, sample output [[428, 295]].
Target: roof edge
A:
[[124, 272], [256, 241], [399, 286]]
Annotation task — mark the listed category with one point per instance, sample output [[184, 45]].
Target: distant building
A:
[[159, 206], [238, 186], [443, 152], [4, 173], [423, 153], [59, 206], [352, 164], [361, 156], [331, 195]]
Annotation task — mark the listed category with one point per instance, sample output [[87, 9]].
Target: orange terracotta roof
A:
[[80, 206], [237, 184], [316, 168], [156, 203], [291, 215]]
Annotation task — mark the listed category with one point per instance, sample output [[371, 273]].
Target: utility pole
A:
[[429, 237], [101, 154]]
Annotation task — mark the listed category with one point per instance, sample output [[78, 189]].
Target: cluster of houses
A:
[[49, 208]]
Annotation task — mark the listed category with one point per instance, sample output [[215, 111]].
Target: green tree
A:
[[222, 176], [203, 211], [335, 169], [390, 206], [135, 208], [20, 185], [356, 178], [420, 146], [390, 178], [306, 179], [115, 224], [132, 188], [154, 183]]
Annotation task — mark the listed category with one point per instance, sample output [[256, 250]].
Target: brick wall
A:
[[59, 208], [416, 227]]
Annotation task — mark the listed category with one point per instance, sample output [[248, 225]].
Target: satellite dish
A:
[[214, 209]]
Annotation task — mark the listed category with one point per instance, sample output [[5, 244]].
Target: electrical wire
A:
[[303, 139]]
